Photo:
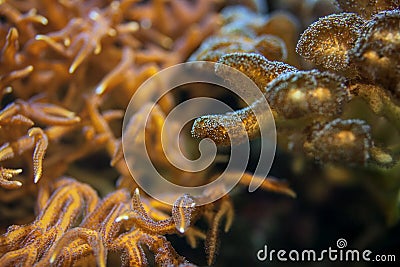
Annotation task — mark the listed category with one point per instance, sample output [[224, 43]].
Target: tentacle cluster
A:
[[357, 58], [67, 71]]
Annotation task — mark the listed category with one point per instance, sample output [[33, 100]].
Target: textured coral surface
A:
[[330, 71]]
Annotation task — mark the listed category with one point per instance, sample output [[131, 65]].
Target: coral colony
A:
[[68, 69]]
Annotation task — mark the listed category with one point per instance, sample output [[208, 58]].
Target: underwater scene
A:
[[199, 133]]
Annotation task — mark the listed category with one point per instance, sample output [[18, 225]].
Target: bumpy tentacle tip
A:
[[182, 212], [43, 20], [72, 69], [136, 192], [36, 178], [213, 127], [128, 214], [184, 224], [53, 258], [40, 37], [29, 68], [123, 217], [12, 34], [100, 89]]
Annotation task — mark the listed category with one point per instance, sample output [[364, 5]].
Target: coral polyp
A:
[[69, 68]]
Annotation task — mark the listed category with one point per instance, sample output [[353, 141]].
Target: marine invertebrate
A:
[[53, 60], [183, 215], [62, 243], [18, 113], [67, 71], [317, 98], [247, 31], [367, 8], [300, 94], [355, 141], [375, 51], [331, 51], [270, 46], [49, 225], [75, 226]]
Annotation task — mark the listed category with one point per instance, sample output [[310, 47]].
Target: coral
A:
[[67, 72], [20, 244], [367, 8], [97, 230], [74, 226], [318, 98], [344, 113], [246, 31], [50, 65], [68, 69], [327, 50]]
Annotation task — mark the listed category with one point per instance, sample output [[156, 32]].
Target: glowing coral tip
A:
[[40, 37], [100, 89], [36, 178], [71, 69], [53, 258], [44, 20], [122, 218]]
